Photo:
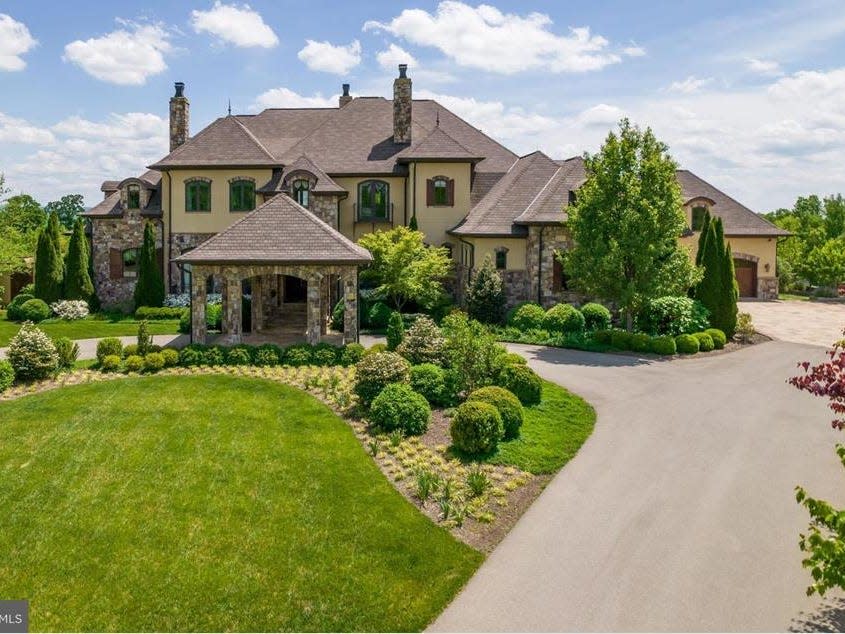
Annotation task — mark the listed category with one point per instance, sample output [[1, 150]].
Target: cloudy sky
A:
[[750, 97]]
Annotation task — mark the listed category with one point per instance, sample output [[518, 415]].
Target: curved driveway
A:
[[679, 511]]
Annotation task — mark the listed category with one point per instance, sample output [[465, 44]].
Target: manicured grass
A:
[[209, 503], [790, 297], [89, 328], [551, 434]]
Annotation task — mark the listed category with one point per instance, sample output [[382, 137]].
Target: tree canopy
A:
[[22, 213], [68, 208]]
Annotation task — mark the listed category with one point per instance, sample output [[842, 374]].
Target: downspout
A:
[[405, 211], [471, 260], [540, 270], [414, 194]]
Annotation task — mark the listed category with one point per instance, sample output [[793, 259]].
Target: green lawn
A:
[[551, 434], [209, 503], [89, 328], [790, 297]]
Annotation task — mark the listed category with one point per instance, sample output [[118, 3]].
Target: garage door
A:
[[746, 277]]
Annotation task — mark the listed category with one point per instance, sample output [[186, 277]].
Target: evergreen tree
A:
[[486, 295], [78, 283], [702, 238], [49, 270], [730, 293], [54, 226], [149, 287], [718, 289], [395, 330], [413, 224], [94, 300]]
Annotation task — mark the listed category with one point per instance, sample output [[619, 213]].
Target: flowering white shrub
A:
[[183, 300], [32, 353], [70, 308]]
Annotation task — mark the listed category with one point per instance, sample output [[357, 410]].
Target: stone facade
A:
[[325, 207], [182, 243], [515, 284], [402, 106], [767, 288], [543, 243]]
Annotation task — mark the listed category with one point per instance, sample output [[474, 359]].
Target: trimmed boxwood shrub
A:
[[129, 349], [110, 363], [376, 371], [719, 338], [238, 355], [192, 355], [476, 428], [603, 336], [509, 407], [268, 354], [325, 354], [705, 341], [298, 355], [664, 345], [134, 363], [523, 382], [7, 375], [213, 355], [379, 315], [640, 342], [159, 312], [107, 346], [620, 339], [563, 318], [430, 381], [397, 406], [34, 310], [171, 357], [351, 354], [686, 344], [13, 310], [596, 316], [153, 362], [526, 316], [68, 352]]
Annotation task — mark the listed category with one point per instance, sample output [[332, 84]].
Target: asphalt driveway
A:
[[678, 513], [813, 323]]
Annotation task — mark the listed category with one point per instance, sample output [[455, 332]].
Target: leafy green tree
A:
[[486, 294], [49, 268], [626, 224], [825, 265], [834, 210], [149, 286], [78, 283], [68, 209], [405, 269], [23, 213]]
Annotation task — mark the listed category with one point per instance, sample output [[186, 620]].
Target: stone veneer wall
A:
[[516, 287], [767, 288], [181, 243], [554, 238], [324, 206]]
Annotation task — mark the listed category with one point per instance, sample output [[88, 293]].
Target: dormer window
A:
[[241, 195], [301, 190], [698, 214], [440, 192], [133, 196]]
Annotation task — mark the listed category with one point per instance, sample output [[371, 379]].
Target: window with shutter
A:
[[115, 264]]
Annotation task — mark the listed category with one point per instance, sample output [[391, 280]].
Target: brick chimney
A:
[[402, 106], [179, 111], [345, 98]]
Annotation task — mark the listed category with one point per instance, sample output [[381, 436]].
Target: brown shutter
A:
[[429, 192], [115, 264], [450, 192]]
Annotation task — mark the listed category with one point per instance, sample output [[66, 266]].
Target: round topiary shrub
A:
[[325, 354], [523, 382], [107, 346], [705, 341], [719, 338], [640, 342], [509, 407], [7, 375], [563, 318], [379, 315], [596, 316], [620, 339], [110, 363], [134, 363], [192, 355], [298, 355], [213, 356], [476, 428], [130, 349], [397, 406], [664, 345], [375, 349], [153, 362], [268, 355], [238, 356], [602, 336], [423, 342], [351, 354], [13, 310], [526, 316], [376, 371], [430, 381], [34, 310], [686, 344], [32, 354], [171, 357]]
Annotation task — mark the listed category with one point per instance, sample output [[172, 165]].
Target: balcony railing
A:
[[366, 214]]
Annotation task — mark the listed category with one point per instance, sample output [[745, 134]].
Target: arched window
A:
[[698, 214], [301, 190], [440, 192], [373, 200], [133, 196], [198, 195], [241, 195]]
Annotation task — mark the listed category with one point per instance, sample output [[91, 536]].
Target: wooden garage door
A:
[[746, 277]]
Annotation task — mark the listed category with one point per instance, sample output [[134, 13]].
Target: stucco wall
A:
[[434, 221], [764, 249], [355, 230], [488, 246]]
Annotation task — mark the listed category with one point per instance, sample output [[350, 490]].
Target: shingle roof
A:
[[438, 145], [281, 232], [324, 184], [110, 206]]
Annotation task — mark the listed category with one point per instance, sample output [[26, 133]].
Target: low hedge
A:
[[154, 313], [687, 344], [664, 345], [705, 341], [621, 339], [640, 342], [526, 316], [719, 338]]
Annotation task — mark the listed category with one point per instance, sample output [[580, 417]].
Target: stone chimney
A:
[[345, 98], [179, 111], [402, 106]]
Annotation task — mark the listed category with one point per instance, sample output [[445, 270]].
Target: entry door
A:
[[746, 277]]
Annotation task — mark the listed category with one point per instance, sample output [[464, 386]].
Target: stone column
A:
[[257, 316], [313, 309], [325, 308], [198, 299], [232, 318], [224, 293], [350, 302]]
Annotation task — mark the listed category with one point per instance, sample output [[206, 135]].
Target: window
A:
[[698, 214], [501, 258], [560, 280], [130, 263], [440, 192], [448, 247], [133, 196], [301, 190], [373, 200], [241, 195], [198, 195]]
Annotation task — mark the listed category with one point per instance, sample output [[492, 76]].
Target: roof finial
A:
[[230, 107]]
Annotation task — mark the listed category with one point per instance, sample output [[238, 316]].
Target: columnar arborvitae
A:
[[395, 330], [78, 283], [49, 268], [717, 290], [149, 286], [702, 238], [730, 293]]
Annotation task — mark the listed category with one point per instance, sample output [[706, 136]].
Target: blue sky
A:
[[749, 97]]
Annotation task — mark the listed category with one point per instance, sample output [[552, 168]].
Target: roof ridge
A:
[[326, 227], [542, 189], [253, 138]]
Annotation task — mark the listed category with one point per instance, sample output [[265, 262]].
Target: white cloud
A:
[[390, 58], [330, 58], [764, 67], [14, 130], [238, 25], [15, 40], [600, 116], [634, 51], [287, 98], [132, 125], [484, 37], [126, 56], [689, 85]]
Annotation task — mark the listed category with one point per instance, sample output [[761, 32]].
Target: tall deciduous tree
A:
[[23, 213], [627, 221], [149, 286], [78, 283], [68, 209], [49, 268]]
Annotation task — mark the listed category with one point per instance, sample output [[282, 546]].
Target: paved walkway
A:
[[88, 347], [813, 323], [679, 511]]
